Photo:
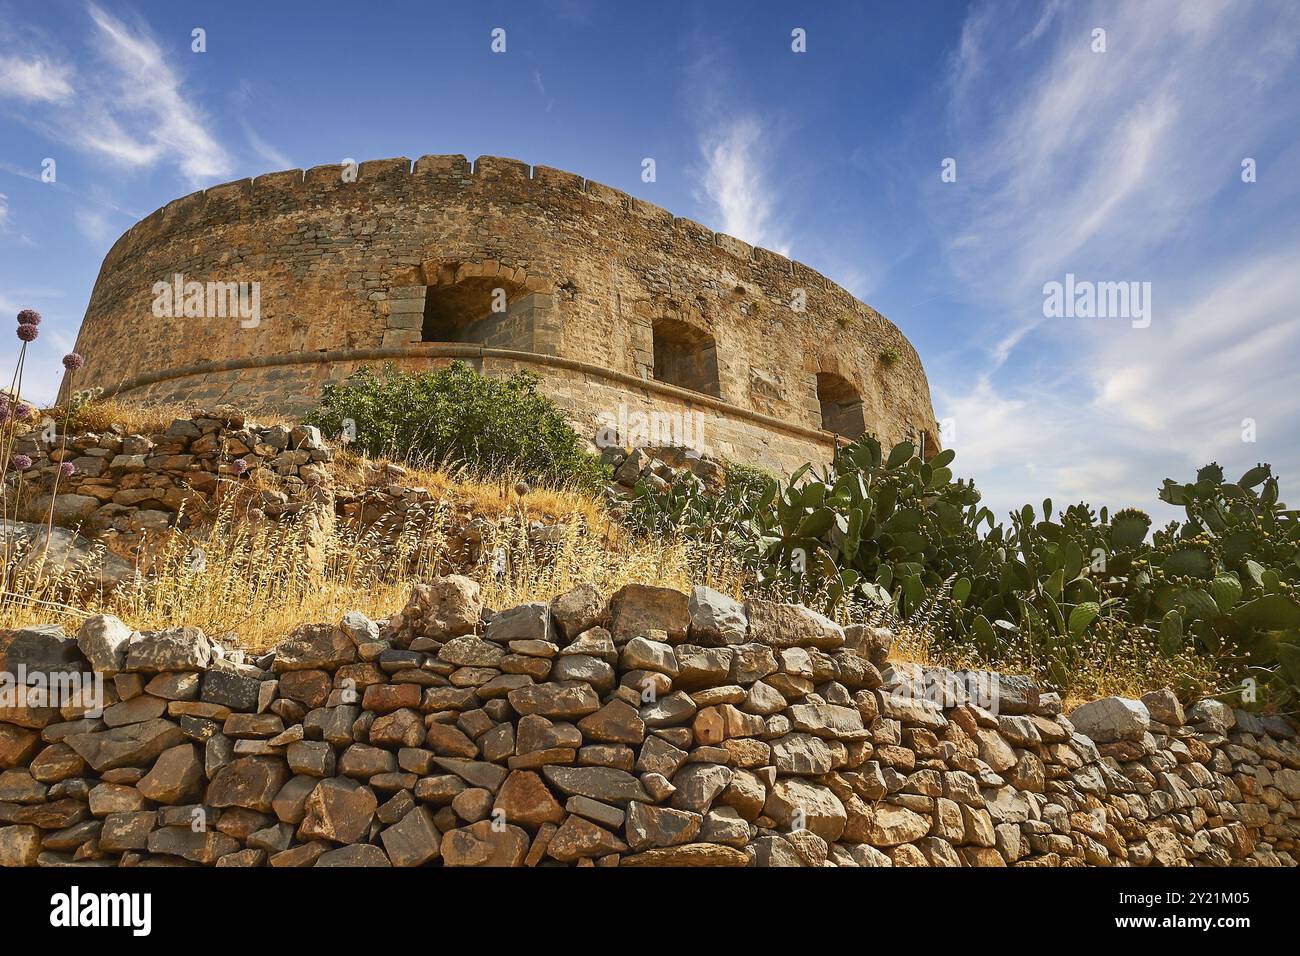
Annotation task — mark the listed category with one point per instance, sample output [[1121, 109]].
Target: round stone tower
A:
[[258, 292]]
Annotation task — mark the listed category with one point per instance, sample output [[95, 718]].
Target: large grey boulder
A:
[[527, 622], [791, 625], [314, 647], [43, 650], [103, 639], [716, 619], [1112, 719], [58, 553], [1164, 706], [1213, 715], [175, 649]]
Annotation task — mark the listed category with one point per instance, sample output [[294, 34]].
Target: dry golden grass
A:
[[490, 499], [257, 581], [1124, 664], [100, 415]]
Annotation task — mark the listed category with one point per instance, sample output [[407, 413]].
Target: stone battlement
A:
[[434, 172]]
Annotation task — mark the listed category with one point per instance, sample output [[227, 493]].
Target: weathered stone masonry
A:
[[655, 729], [610, 299]]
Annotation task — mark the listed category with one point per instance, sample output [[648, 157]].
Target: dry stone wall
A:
[[610, 298], [125, 486], [653, 729]]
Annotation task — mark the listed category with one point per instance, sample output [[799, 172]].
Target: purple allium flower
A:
[[4, 413], [21, 462], [72, 361], [67, 469], [29, 317], [28, 332], [239, 466], [24, 412]]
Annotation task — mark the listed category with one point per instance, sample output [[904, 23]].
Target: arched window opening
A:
[[841, 406], [469, 310], [685, 356]]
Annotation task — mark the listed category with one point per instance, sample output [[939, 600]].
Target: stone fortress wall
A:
[[610, 299]]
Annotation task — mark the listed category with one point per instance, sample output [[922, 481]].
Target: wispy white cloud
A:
[[735, 174], [1115, 166], [541, 89], [126, 102], [4, 211], [276, 159], [736, 182], [1225, 355], [35, 79], [150, 92], [1049, 13]]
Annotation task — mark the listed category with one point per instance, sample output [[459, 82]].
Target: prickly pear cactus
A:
[[898, 531]]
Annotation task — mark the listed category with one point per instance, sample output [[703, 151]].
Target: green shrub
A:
[[455, 417], [748, 481]]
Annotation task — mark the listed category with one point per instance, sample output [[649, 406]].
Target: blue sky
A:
[[1115, 166]]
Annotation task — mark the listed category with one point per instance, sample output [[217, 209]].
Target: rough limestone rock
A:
[[19, 845], [175, 649], [643, 654], [527, 622], [447, 607], [791, 625], [716, 619], [482, 844], [358, 855], [799, 802], [689, 854], [359, 628], [1214, 715], [315, 646], [201, 846], [42, 650], [886, 826], [637, 609], [578, 839], [650, 826], [56, 551], [414, 840], [1164, 707], [564, 699], [130, 746], [176, 776], [249, 782], [608, 784], [339, 809], [525, 799], [576, 611], [1111, 719], [103, 641]]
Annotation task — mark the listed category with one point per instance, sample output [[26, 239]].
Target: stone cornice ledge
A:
[[453, 351]]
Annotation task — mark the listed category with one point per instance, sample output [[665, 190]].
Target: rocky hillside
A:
[[657, 728]]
